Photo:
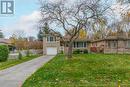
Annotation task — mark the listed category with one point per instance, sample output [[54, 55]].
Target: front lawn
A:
[[90, 70], [10, 63]]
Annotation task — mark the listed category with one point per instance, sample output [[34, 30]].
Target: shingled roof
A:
[[113, 38], [67, 37], [5, 41]]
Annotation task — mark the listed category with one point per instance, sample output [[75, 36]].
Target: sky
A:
[[26, 17]]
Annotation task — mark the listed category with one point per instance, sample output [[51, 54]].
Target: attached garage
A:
[[51, 50]]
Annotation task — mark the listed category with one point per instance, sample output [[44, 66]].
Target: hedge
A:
[[4, 52], [78, 51]]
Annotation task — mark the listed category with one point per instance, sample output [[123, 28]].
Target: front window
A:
[[51, 39], [80, 44], [112, 44]]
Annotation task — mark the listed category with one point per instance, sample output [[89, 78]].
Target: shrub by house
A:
[[4, 52]]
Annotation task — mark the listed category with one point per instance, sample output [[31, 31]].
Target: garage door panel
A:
[[51, 51]]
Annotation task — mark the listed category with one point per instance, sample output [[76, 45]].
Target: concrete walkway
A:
[[15, 76]]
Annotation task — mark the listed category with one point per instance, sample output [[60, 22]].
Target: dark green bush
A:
[[4, 53], [76, 51], [85, 51]]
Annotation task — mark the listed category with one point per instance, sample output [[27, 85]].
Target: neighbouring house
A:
[[112, 45], [4, 41], [7, 42], [119, 43]]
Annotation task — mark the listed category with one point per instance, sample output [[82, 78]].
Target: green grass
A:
[[10, 63], [91, 70]]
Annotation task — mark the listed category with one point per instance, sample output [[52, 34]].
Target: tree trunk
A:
[[69, 54]]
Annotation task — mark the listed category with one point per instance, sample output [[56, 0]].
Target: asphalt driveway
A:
[[16, 75]]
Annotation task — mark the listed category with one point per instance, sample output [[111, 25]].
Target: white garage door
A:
[[51, 51]]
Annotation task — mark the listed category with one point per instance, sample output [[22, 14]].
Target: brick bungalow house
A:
[[113, 44], [52, 44], [79, 44]]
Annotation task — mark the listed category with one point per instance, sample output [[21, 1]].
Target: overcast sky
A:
[[26, 17]]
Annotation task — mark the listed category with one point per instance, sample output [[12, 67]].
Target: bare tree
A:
[[71, 17], [123, 1], [100, 29], [19, 34]]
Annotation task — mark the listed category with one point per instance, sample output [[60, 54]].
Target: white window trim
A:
[[111, 43], [82, 45], [49, 40]]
